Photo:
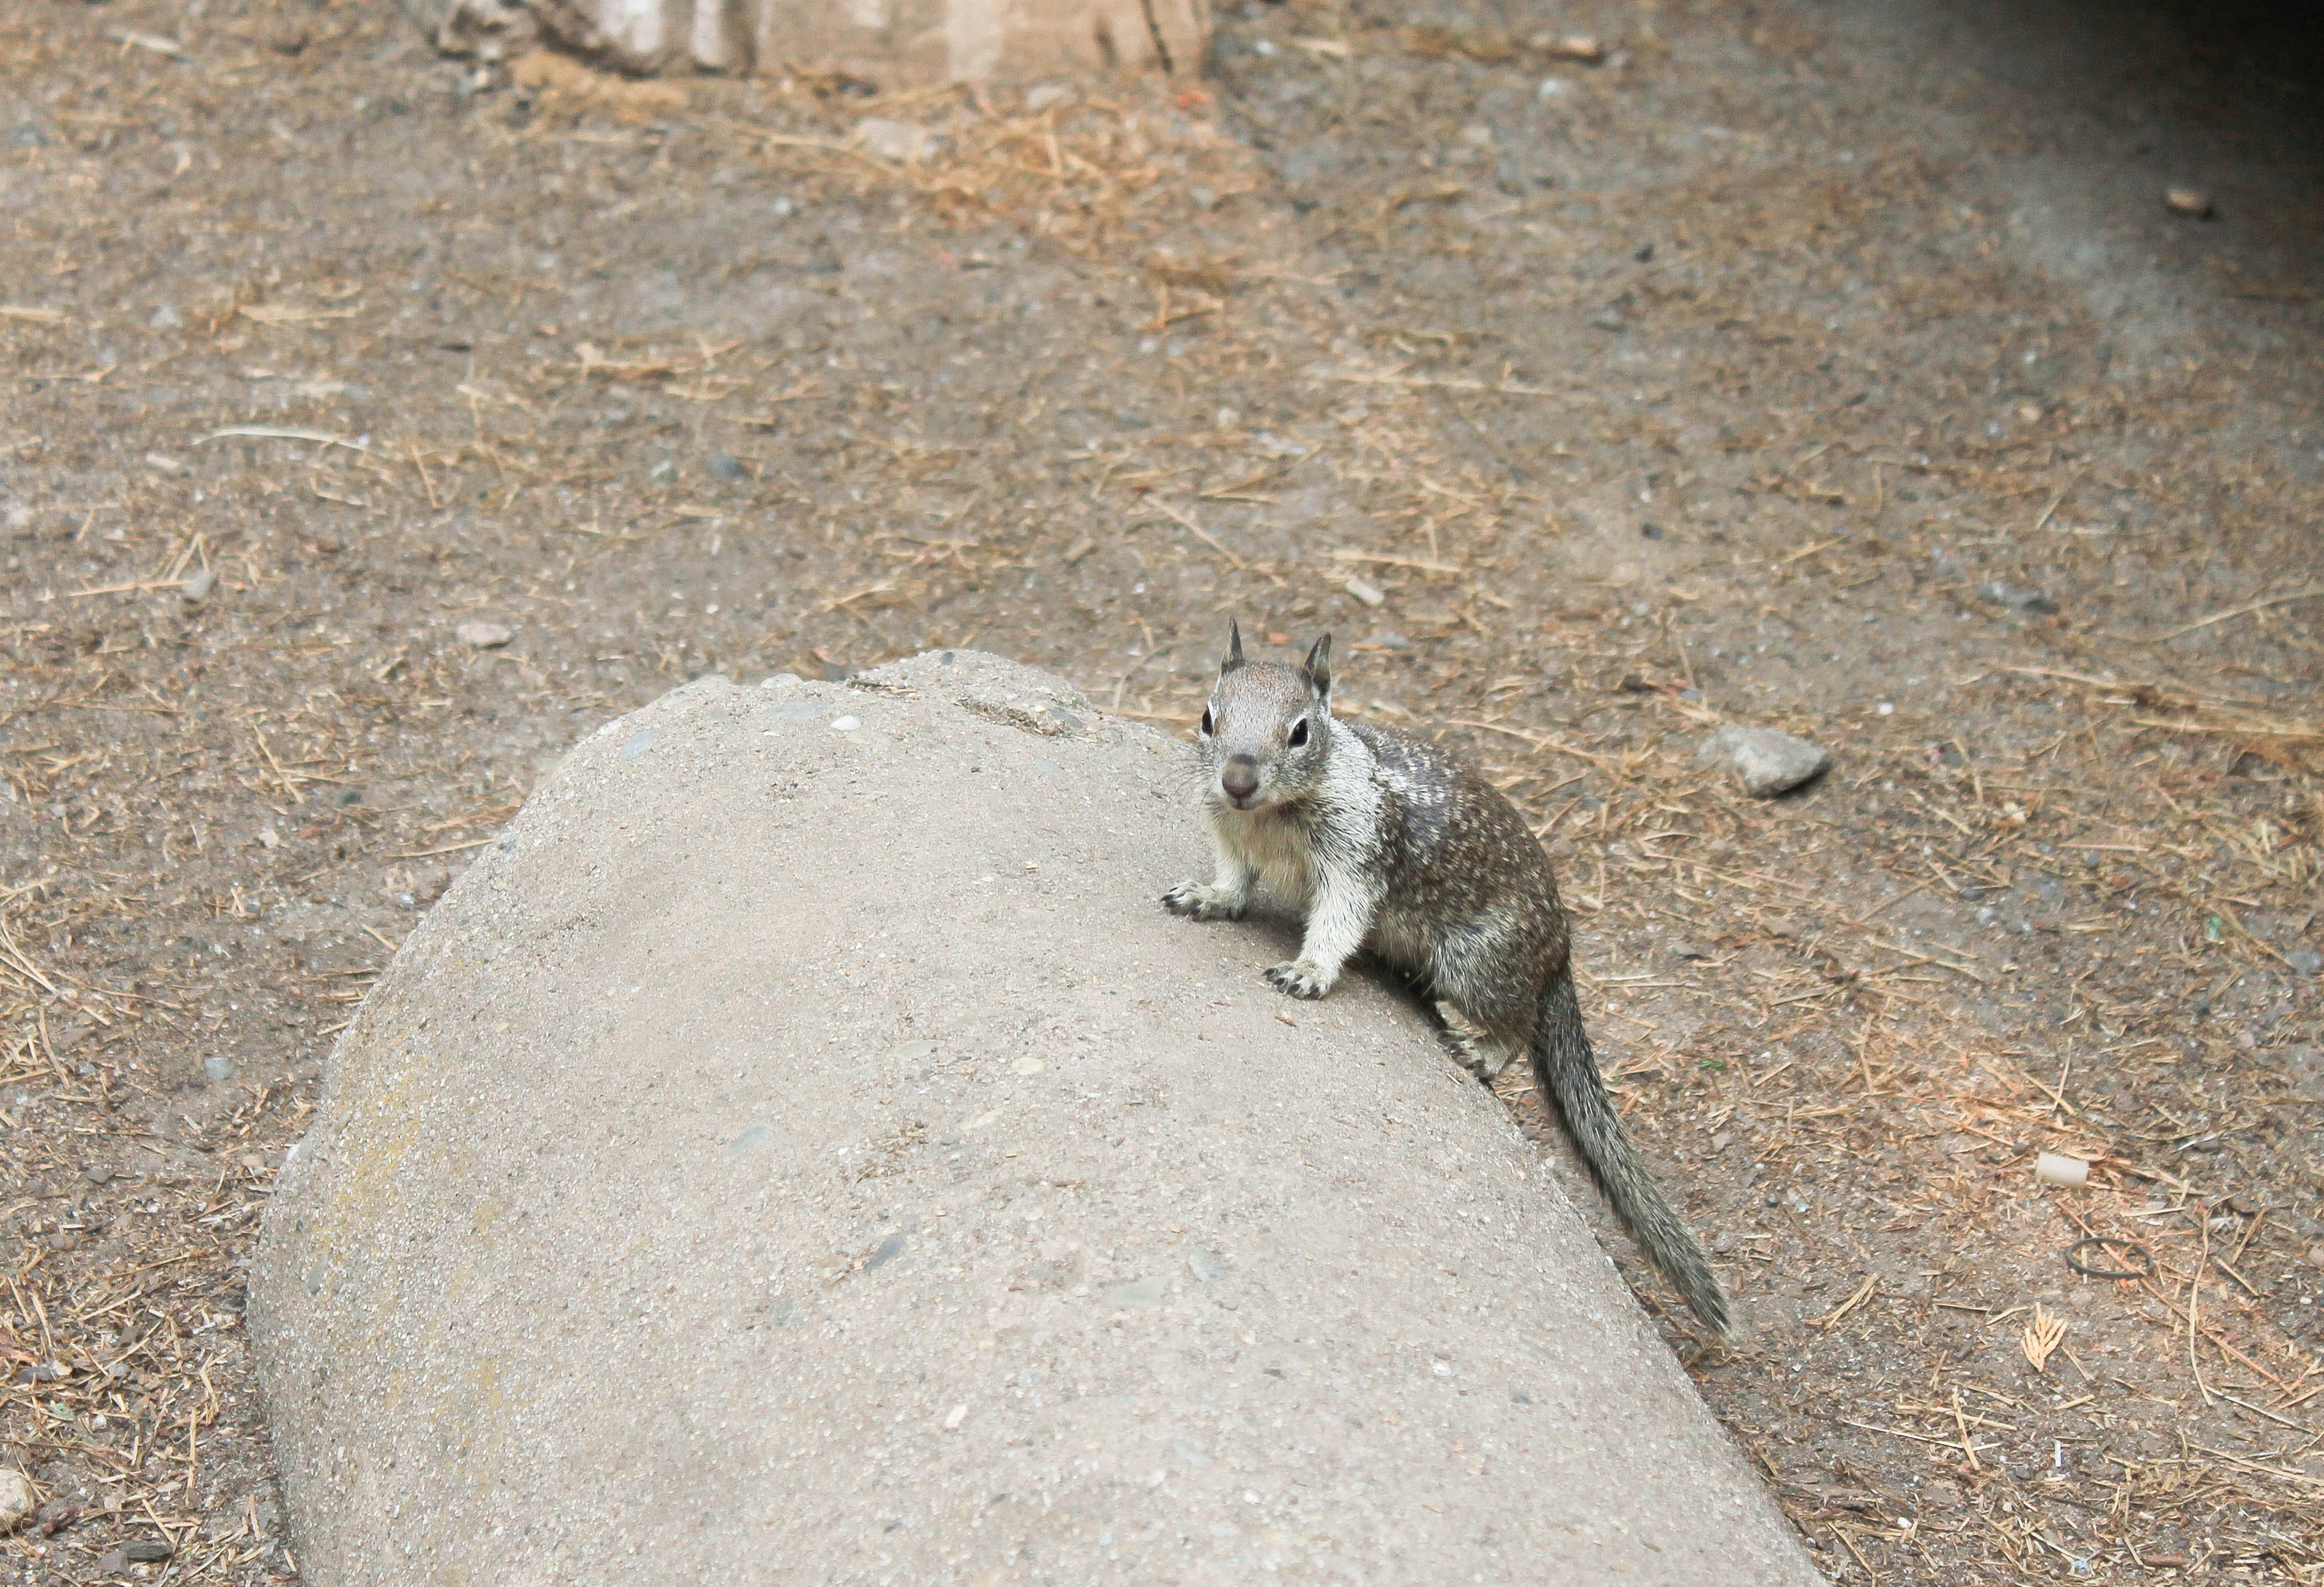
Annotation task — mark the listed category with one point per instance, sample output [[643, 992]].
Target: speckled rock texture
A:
[[801, 1151], [1767, 761]]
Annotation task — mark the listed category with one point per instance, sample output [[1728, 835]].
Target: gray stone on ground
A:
[[1769, 762], [901, 142], [17, 1499], [795, 1156], [2018, 598], [483, 636]]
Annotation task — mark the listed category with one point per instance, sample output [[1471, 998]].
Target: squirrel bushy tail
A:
[[1567, 1071]]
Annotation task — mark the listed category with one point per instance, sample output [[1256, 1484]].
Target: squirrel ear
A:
[[1233, 658], [1319, 666]]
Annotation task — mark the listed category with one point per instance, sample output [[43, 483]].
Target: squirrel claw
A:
[[1298, 978], [1197, 902]]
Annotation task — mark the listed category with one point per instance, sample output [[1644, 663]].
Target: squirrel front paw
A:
[[1300, 978], [1198, 902]]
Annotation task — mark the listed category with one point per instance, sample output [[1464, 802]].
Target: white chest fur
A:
[[1267, 844]]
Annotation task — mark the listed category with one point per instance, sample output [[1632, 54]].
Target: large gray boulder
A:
[[800, 1151]]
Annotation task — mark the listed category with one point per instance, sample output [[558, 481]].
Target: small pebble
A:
[[146, 1552], [1768, 761], [163, 463], [165, 317], [726, 467], [661, 473], [844, 725], [197, 586], [2057, 1168], [1580, 46], [1369, 594], [2307, 961], [885, 138], [2018, 598], [16, 1499], [218, 1067], [1389, 640], [483, 636], [2191, 202]]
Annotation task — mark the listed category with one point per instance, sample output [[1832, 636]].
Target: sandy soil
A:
[[1840, 368]]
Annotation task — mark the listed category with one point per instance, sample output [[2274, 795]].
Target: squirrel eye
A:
[[1299, 733], [1205, 728]]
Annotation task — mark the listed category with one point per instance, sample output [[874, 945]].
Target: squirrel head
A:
[[1266, 733]]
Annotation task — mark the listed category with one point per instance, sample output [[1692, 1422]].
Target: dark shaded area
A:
[[2252, 43]]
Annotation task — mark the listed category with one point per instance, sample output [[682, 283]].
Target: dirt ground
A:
[[1836, 367]]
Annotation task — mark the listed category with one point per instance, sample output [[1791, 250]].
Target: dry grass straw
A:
[[1740, 985], [1081, 173], [111, 1370]]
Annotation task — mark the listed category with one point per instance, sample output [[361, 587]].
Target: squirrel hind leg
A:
[[1488, 978], [1476, 1050]]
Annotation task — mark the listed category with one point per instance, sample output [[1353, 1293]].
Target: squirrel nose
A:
[[1239, 776]]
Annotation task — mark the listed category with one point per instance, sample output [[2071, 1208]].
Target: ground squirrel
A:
[[1389, 843]]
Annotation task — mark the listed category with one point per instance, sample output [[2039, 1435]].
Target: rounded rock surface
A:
[[483, 636], [785, 1157], [17, 1499], [1769, 762]]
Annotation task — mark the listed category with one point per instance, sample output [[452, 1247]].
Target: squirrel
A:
[[1389, 843]]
